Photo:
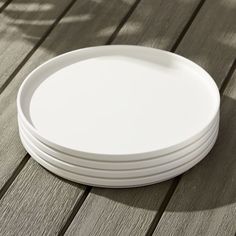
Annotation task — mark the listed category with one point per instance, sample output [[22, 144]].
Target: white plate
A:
[[120, 174], [119, 183], [122, 102], [159, 160]]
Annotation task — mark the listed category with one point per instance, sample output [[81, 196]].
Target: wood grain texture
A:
[[77, 34], [156, 24], [23, 211], [2, 3], [118, 211], [17, 22], [204, 202], [210, 41], [22, 25], [36, 204]]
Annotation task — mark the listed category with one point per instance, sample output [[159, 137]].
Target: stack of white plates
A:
[[118, 116]]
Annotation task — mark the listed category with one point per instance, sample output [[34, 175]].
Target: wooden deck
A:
[[35, 202]]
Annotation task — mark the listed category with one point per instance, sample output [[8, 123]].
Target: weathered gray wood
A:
[[210, 41], [23, 211], [118, 211], [17, 22], [156, 24], [204, 202], [152, 25], [36, 204], [2, 3], [90, 18], [22, 25]]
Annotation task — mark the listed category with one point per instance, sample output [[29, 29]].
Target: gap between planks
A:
[[76, 208], [227, 78], [10, 78], [178, 178], [14, 175], [37, 45], [122, 22], [23, 62], [4, 5], [187, 26]]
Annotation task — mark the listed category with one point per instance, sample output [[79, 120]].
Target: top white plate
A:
[[123, 101]]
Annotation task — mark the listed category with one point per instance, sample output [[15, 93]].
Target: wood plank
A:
[[22, 26], [30, 201], [155, 27], [79, 34], [2, 3], [118, 211], [210, 42], [204, 202], [17, 22], [36, 193]]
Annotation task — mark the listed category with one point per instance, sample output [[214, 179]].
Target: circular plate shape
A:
[[126, 102], [119, 165]]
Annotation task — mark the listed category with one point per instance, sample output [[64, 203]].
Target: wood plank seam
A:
[[6, 186], [222, 89], [122, 22], [42, 39], [163, 206], [80, 201], [5, 5], [75, 201], [177, 179], [228, 78], [74, 211], [187, 26], [18, 68]]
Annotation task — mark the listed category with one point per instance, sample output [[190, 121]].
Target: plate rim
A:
[[104, 156]]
